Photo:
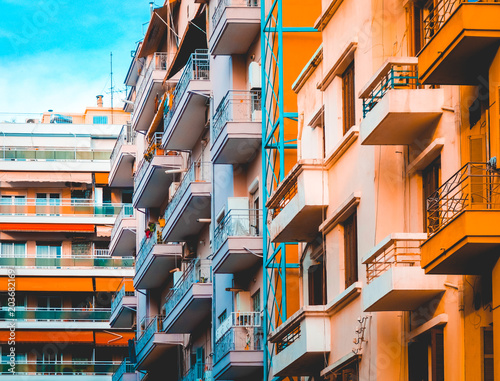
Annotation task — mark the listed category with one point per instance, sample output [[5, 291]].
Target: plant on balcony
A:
[[150, 230]]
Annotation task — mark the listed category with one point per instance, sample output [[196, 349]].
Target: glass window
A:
[[348, 98], [46, 250], [13, 249], [351, 250], [100, 120]]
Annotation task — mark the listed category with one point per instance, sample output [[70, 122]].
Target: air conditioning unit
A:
[[172, 189]]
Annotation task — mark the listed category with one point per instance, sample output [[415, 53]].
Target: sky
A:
[[55, 54]]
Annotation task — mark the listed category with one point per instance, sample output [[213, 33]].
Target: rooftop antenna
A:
[[111, 62]]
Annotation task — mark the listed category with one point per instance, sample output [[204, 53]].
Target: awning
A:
[[45, 177], [66, 337], [194, 38], [158, 118], [156, 30], [120, 338], [49, 284], [70, 228]]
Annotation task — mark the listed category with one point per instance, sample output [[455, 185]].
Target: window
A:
[[12, 249], [256, 301], [487, 354], [426, 357], [254, 212], [48, 204], [48, 250], [222, 317], [100, 120], [49, 302], [317, 282], [351, 250], [13, 204], [430, 181], [348, 98], [346, 373]]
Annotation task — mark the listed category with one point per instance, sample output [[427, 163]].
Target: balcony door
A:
[[48, 204], [13, 249], [13, 205]]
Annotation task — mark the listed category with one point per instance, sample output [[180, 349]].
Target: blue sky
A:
[[55, 54]]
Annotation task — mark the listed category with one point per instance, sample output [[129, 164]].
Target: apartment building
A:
[[57, 211]]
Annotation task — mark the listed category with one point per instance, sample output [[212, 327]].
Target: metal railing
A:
[[100, 252], [159, 61], [289, 338], [239, 339], [199, 171], [154, 326], [127, 211], [239, 319], [199, 372], [57, 207], [475, 186], [61, 314], [20, 118], [125, 367], [441, 12], [53, 154], [76, 367], [146, 246], [223, 4], [238, 223], [197, 271], [396, 252], [196, 69], [236, 106], [395, 76], [76, 261], [287, 197], [127, 136], [117, 299]]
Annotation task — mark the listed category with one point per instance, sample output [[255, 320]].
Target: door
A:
[[48, 204]]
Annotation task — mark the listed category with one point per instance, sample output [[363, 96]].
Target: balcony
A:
[[461, 38], [463, 216], [185, 119], [33, 369], [235, 26], [397, 110], [123, 308], [238, 347], [297, 206], [67, 211], [237, 241], [301, 342], [152, 345], [123, 233], [189, 302], [189, 207], [154, 262], [236, 128], [125, 372], [199, 372], [151, 174], [122, 159], [396, 282], [148, 86]]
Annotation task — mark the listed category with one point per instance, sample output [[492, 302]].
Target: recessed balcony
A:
[[238, 241], [462, 222], [396, 282], [189, 208], [122, 159], [153, 345], [189, 302], [149, 85], [154, 262], [122, 242], [301, 343], [296, 205], [236, 128], [155, 171], [186, 119], [397, 110], [235, 26], [461, 38], [125, 372], [123, 308], [239, 347]]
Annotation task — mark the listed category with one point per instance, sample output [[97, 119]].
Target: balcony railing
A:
[[154, 326], [199, 372], [127, 136], [223, 4], [475, 186], [60, 314], [52, 154], [125, 367], [198, 171], [393, 76], [146, 246], [84, 367], [76, 261], [115, 303], [287, 197], [100, 252], [57, 207], [237, 106], [239, 339], [150, 152], [396, 253], [160, 61], [239, 319], [238, 223], [198, 271], [291, 337], [126, 212], [197, 68]]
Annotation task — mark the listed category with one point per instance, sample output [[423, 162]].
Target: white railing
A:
[[126, 212], [159, 61], [127, 136], [100, 253], [239, 319], [223, 4]]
